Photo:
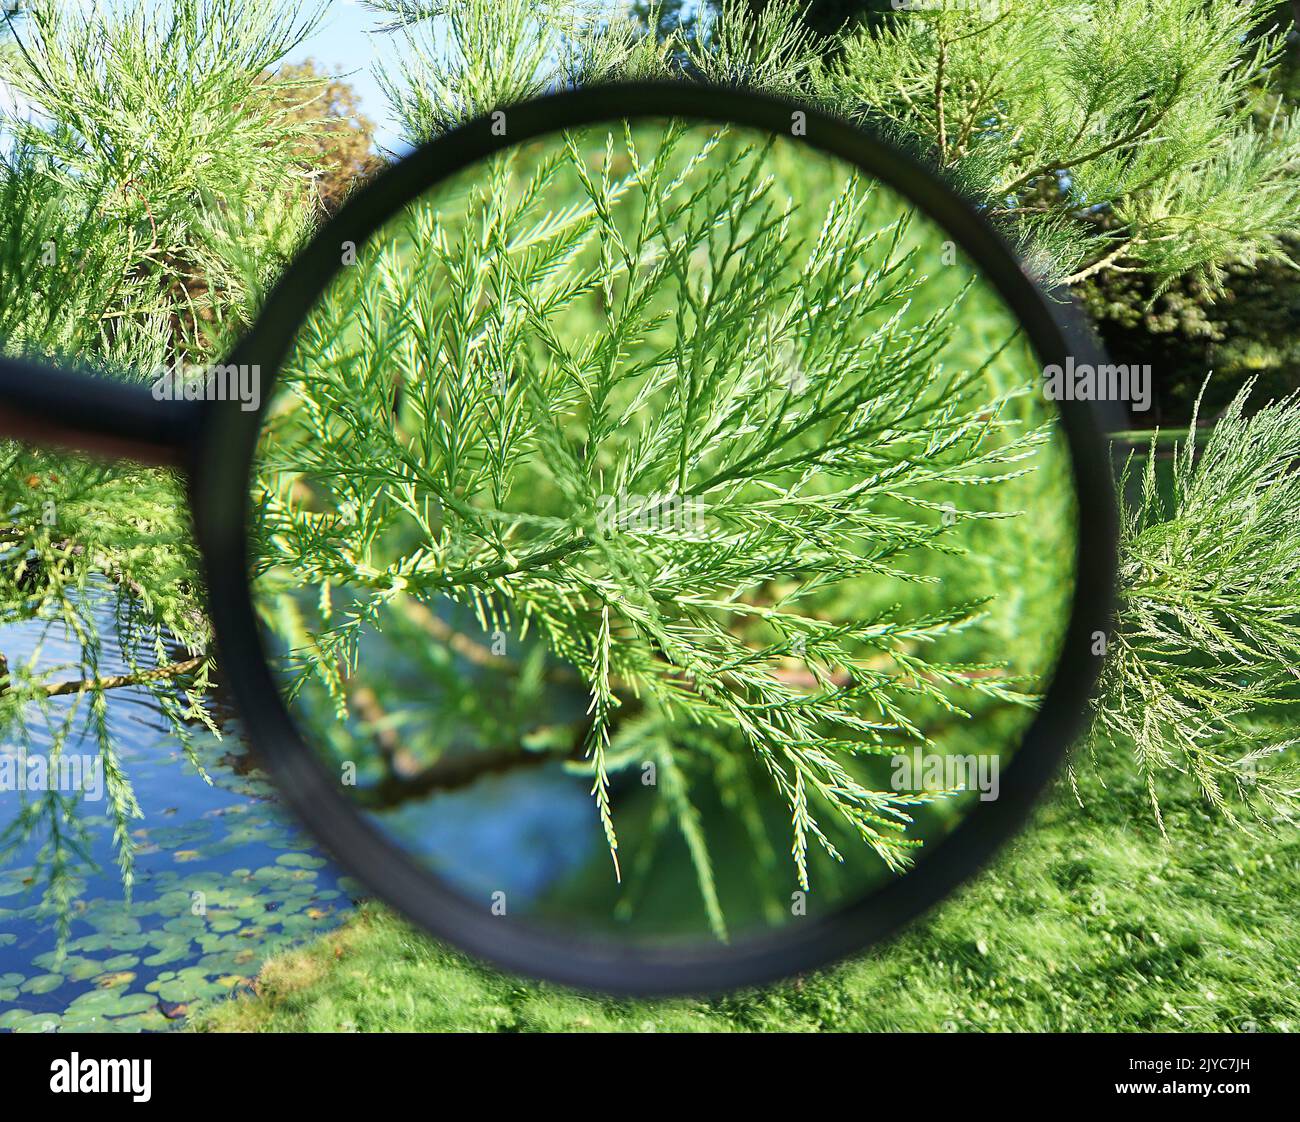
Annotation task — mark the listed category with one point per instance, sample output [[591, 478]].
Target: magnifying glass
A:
[[656, 560]]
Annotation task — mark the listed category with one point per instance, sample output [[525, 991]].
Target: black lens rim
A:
[[221, 464]]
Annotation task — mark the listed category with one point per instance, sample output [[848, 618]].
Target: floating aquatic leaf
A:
[[114, 1002], [185, 925], [112, 920], [11, 884], [42, 983], [175, 953], [20, 1020], [91, 943], [9, 984], [300, 861], [114, 979], [151, 1020], [83, 1020], [188, 989], [82, 969]]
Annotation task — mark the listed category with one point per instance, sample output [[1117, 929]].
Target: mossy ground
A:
[[1091, 921]]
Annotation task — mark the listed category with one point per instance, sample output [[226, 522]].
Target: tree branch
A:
[[112, 682], [1131, 137], [1102, 262]]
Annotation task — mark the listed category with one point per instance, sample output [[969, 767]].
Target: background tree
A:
[[1056, 113], [1143, 151], [1249, 328], [337, 145]]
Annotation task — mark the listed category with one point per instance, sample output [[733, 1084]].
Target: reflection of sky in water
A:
[[519, 833], [127, 962]]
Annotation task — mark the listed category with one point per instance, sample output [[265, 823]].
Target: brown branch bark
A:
[[116, 681], [454, 772], [1102, 262], [111, 682]]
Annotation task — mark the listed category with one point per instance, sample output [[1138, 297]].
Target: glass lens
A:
[[661, 533]]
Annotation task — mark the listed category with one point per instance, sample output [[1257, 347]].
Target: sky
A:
[[346, 42]]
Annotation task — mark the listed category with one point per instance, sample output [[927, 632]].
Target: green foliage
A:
[[136, 230], [765, 47], [459, 60], [164, 162], [1208, 631], [1249, 328], [1057, 112], [661, 314], [1108, 136], [1247, 331], [163, 175]]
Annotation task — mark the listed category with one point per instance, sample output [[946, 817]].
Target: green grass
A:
[[1089, 922]]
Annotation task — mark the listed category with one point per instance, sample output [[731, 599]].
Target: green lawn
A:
[[1090, 922]]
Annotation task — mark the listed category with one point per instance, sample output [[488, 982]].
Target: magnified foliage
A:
[[671, 400]]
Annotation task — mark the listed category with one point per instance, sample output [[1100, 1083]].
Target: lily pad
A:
[[222, 923], [83, 1020], [174, 952], [112, 921], [110, 1003], [42, 983], [115, 978], [300, 861], [151, 1020], [12, 884], [20, 1020]]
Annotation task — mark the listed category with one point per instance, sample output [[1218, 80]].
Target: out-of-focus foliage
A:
[[1056, 111], [1247, 329]]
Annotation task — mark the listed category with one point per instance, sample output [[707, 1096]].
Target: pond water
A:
[[223, 876]]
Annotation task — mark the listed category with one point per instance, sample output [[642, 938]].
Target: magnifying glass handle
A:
[[52, 406]]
